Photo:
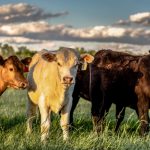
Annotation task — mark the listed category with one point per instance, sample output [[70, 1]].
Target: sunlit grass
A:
[[13, 128]]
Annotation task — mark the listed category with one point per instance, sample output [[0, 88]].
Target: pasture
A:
[[13, 129]]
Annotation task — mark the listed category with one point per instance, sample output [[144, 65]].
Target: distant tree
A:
[[23, 51], [82, 50], [6, 50]]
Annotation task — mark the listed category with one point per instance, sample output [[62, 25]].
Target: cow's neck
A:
[[3, 85]]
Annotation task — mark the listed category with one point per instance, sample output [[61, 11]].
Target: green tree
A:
[[23, 51], [82, 51], [6, 50]]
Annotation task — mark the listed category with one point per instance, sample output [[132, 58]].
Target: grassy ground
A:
[[13, 127]]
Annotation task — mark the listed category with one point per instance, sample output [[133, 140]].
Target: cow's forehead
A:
[[14, 61], [67, 55]]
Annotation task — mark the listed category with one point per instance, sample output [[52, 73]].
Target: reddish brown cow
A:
[[11, 73]]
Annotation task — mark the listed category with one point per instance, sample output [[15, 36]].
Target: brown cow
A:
[[117, 78], [11, 73], [133, 78]]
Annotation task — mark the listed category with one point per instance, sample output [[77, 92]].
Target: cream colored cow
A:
[[51, 80]]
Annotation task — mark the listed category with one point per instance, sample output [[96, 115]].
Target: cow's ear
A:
[[49, 57], [1, 60], [87, 58], [26, 61]]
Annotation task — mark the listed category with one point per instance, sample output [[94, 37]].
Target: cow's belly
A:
[[51, 101], [56, 108]]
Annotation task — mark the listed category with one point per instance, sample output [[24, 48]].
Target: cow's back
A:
[[109, 59]]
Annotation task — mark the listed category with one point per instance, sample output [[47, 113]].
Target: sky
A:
[[92, 24]]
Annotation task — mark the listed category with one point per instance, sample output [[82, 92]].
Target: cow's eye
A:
[[11, 69], [59, 64]]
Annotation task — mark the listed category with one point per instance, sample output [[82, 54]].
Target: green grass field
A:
[[13, 128]]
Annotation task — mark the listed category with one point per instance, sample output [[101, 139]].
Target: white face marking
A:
[[67, 69]]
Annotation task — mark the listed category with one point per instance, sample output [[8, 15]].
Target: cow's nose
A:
[[67, 79], [23, 84]]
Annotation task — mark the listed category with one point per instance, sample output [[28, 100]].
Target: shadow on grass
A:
[[8, 123], [79, 125], [126, 127]]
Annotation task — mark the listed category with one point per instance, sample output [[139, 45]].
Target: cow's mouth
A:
[[15, 86], [67, 83]]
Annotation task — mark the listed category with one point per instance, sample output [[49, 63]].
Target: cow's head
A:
[[12, 70], [67, 61]]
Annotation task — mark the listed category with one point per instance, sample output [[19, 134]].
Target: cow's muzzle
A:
[[19, 85], [67, 80], [24, 85]]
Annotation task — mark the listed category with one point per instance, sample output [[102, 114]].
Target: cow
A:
[[11, 73], [134, 81], [51, 80], [115, 77]]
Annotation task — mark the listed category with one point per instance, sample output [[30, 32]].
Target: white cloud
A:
[[22, 12], [25, 24], [142, 18], [43, 31], [22, 28], [18, 40], [54, 45]]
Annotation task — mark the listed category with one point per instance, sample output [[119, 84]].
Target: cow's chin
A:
[[14, 86], [67, 85]]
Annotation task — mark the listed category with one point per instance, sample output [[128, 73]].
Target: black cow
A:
[[117, 78]]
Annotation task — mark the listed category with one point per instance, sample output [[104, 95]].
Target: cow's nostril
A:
[[67, 79], [24, 85]]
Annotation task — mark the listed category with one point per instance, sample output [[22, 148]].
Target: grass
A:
[[13, 128]]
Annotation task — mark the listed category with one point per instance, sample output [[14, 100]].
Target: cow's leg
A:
[[64, 121], [120, 112], [143, 106], [74, 104], [45, 123], [45, 118], [98, 118], [99, 112], [98, 107], [31, 114], [136, 109]]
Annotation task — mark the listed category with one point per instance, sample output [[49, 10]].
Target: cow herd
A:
[[57, 79]]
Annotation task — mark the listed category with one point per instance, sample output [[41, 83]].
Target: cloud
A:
[[43, 31], [142, 18], [122, 23], [22, 12], [24, 23], [54, 45], [18, 40]]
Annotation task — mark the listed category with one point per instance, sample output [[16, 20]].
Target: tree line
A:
[[22, 51]]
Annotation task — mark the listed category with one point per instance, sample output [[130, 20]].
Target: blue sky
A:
[[84, 13], [79, 23]]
